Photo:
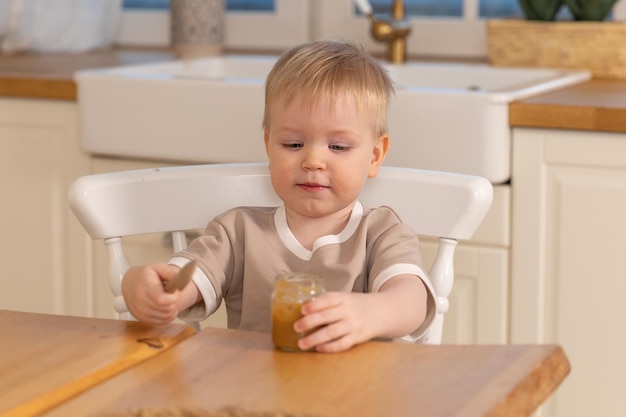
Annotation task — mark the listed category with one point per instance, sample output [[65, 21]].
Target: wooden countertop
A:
[[50, 76], [595, 105]]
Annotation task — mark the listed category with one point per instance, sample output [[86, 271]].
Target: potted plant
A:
[[592, 10], [587, 41], [540, 9]]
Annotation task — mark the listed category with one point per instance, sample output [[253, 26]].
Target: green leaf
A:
[[594, 10], [540, 9]]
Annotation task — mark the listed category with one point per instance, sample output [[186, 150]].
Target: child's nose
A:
[[313, 159]]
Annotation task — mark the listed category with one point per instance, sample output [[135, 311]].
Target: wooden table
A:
[[220, 368], [46, 359]]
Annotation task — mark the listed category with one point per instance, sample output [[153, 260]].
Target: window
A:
[[271, 25], [250, 5], [452, 29], [440, 28], [449, 8]]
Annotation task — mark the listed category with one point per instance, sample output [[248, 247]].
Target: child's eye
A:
[[292, 145], [338, 148]]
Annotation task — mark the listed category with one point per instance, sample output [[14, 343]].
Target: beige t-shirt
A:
[[242, 250]]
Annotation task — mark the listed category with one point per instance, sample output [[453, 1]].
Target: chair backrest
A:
[[110, 206]]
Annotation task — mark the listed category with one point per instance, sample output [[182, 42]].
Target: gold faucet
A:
[[393, 31]]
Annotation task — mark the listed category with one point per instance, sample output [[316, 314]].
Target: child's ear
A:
[[378, 155]]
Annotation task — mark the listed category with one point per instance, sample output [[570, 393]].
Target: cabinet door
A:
[[478, 311], [42, 251], [568, 286]]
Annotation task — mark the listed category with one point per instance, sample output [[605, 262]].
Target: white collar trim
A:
[[290, 241]]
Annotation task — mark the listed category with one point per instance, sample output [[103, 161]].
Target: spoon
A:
[[181, 280]]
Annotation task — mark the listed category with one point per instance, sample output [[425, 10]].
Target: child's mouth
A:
[[312, 187]]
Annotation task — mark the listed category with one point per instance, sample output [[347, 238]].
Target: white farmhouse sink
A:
[[451, 117]]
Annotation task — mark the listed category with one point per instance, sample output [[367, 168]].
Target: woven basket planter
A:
[[599, 47]]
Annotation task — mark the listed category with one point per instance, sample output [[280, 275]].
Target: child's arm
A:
[[397, 309], [145, 296]]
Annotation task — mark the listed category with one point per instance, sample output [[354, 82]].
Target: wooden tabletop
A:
[[46, 359], [220, 369]]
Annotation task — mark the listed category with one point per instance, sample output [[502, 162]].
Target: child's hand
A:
[[144, 294], [347, 319]]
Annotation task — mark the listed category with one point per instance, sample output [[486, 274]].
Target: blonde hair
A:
[[330, 70]]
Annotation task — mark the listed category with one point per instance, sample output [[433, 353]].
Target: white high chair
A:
[[177, 199]]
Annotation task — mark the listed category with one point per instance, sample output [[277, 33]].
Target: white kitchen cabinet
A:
[[43, 250], [568, 280], [479, 301]]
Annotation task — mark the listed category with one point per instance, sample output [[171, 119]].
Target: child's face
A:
[[321, 156]]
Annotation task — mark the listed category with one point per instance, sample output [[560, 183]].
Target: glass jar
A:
[[291, 290]]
